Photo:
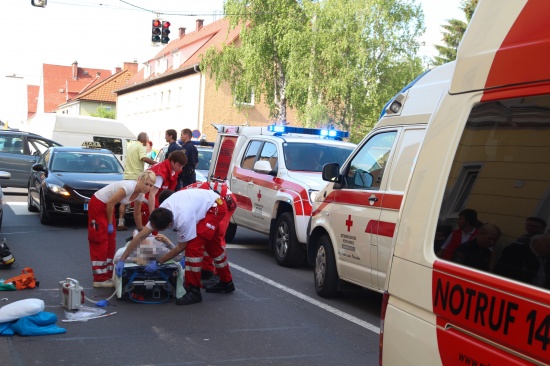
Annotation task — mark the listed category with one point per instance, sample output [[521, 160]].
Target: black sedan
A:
[[65, 178]]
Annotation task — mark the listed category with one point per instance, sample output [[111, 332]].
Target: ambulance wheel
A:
[[230, 232], [45, 217], [288, 252], [325, 273]]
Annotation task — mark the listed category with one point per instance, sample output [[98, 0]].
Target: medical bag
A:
[[152, 288]]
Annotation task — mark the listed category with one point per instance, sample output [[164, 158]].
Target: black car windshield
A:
[[311, 157], [85, 162]]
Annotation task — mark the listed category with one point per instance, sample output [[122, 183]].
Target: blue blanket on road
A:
[[42, 323]]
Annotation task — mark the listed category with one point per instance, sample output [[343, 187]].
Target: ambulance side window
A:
[[367, 166], [250, 154], [501, 172], [269, 153]]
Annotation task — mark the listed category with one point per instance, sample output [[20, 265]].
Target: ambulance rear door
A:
[[226, 151]]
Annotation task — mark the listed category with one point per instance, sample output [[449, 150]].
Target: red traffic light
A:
[[156, 23], [165, 25]]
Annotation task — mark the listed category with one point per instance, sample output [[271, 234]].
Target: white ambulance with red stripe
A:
[[275, 173], [486, 147]]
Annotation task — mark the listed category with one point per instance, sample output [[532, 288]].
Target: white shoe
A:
[[108, 283]]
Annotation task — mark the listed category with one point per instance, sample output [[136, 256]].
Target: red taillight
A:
[[385, 299]]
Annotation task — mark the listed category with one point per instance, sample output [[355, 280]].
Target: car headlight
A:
[[312, 195], [58, 189]]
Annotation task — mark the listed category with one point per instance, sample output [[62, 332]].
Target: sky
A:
[[104, 34]]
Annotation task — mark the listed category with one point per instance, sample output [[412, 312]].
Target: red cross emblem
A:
[[259, 195], [349, 223]]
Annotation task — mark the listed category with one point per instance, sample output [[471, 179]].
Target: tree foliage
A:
[[104, 113], [452, 34], [333, 61]]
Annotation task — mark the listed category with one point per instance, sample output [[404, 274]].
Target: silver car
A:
[[19, 151], [3, 175]]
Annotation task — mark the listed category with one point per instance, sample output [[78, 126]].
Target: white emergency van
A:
[[275, 173], [73, 130], [486, 148]]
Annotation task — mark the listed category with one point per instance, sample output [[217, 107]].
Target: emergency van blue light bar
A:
[[331, 134]]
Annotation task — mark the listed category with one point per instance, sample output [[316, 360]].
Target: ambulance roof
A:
[[504, 46], [422, 98]]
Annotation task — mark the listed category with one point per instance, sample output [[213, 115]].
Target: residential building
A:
[[171, 92], [60, 84], [100, 94]]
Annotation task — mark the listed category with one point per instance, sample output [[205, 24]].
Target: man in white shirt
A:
[[196, 215]]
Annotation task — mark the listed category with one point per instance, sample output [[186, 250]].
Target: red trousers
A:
[[102, 244], [209, 239], [207, 261]]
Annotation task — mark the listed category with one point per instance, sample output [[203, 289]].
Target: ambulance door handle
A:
[[373, 199]]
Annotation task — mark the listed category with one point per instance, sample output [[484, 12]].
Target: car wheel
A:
[[230, 232], [288, 252], [45, 216], [325, 273], [30, 206]]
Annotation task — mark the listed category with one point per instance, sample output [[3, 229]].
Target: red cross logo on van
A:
[[259, 195], [349, 223]]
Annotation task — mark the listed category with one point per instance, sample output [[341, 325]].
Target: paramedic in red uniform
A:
[[166, 174], [102, 225], [208, 271], [196, 215]]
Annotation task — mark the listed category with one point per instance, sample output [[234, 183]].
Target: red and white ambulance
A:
[[275, 173], [485, 147]]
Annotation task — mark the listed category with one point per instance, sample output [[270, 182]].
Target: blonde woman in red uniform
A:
[[102, 225]]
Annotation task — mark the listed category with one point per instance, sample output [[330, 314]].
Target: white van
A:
[[73, 130], [473, 134]]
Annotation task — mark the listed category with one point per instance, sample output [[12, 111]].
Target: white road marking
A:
[[239, 246], [20, 208], [330, 309]]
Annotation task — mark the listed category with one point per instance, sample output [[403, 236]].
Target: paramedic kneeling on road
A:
[[102, 225], [195, 214]]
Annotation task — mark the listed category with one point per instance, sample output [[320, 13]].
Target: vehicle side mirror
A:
[[263, 166], [330, 172], [38, 168], [362, 179]]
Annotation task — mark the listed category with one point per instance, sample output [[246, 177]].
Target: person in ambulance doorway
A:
[[166, 176], [528, 263], [102, 222], [196, 215], [477, 252]]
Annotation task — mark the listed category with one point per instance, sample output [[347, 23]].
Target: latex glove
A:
[[110, 228], [151, 267], [119, 267]]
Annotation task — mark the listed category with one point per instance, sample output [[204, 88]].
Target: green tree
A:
[[452, 34], [104, 113], [364, 52], [334, 61], [259, 60]]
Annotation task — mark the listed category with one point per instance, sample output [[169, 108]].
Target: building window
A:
[[244, 99]]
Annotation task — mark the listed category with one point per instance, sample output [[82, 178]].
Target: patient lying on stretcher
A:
[[152, 247]]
